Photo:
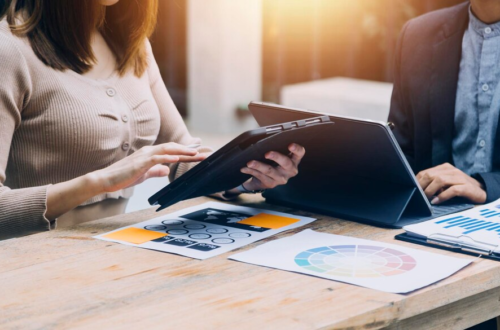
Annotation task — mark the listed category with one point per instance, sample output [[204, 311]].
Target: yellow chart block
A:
[[270, 221], [135, 235]]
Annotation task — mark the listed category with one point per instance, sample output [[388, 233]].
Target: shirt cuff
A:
[[225, 196]]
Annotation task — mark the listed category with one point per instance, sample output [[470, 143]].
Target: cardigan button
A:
[[125, 118], [111, 92], [126, 146]]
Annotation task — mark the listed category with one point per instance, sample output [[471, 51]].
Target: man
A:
[[446, 101]]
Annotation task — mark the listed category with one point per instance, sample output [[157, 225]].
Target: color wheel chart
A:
[[471, 225], [356, 261]]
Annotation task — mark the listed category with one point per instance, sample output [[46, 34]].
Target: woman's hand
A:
[[149, 162], [265, 176], [146, 163], [141, 165]]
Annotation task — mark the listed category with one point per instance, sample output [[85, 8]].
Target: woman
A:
[[84, 114]]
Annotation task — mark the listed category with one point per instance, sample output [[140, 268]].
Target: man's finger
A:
[[297, 153], [434, 187], [284, 161], [266, 169], [440, 182], [425, 178], [453, 191], [264, 179]]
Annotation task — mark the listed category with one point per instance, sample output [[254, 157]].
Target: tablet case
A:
[[221, 171], [358, 172]]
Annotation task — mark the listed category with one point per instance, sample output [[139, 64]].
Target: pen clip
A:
[[462, 242]]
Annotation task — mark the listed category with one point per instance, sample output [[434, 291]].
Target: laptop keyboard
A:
[[440, 210]]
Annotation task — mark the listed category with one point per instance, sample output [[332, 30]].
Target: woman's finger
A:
[[192, 159], [157, 171], [168, 159], [297, 153], [172, 149], [284, 161], [161, 159]]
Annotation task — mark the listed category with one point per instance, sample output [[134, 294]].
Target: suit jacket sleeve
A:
[[491, 182], [400, 112]]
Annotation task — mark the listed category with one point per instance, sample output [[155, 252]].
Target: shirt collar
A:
[[481, 28]]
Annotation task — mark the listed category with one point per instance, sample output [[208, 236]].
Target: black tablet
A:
[[358, 173], [221, 171]]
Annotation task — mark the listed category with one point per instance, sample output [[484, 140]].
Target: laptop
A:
[[360, 174]]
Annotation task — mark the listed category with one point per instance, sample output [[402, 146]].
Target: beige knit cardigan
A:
[[55, 126]]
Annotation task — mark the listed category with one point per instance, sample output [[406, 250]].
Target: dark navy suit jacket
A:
[[425, 86]]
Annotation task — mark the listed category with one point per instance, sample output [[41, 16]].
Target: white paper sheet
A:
[[371, 264], [208, 230], [482, 224]]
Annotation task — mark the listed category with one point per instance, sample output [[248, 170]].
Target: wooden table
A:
[[66, 279]]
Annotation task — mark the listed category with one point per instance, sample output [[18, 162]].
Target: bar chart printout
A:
[[480, 223], [471, 225]]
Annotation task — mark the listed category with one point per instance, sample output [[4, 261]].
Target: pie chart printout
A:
[[356, 261], [370, 264]]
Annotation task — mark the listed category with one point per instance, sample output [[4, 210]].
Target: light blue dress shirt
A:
[[477, 105]]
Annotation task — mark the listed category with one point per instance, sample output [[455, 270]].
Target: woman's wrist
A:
[[94, 183], [65, 196]]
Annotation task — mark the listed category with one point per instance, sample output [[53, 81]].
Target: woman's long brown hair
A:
[[60, 31]]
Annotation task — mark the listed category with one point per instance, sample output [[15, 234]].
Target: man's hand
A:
[[265, 176], [444, 182]]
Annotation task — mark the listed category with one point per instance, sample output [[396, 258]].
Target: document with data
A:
[[474, 230], [206, 230]]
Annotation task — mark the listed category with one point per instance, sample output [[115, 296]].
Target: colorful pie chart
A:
[[360, 261]]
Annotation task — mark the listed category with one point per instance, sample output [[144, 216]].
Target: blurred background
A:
[[217, 55]]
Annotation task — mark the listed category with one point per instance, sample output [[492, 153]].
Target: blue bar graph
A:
[[487, 213], [447, 220], [471, 222], [470, 225], [459, 222], [495, 227], [476, 224], [484, 226]]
